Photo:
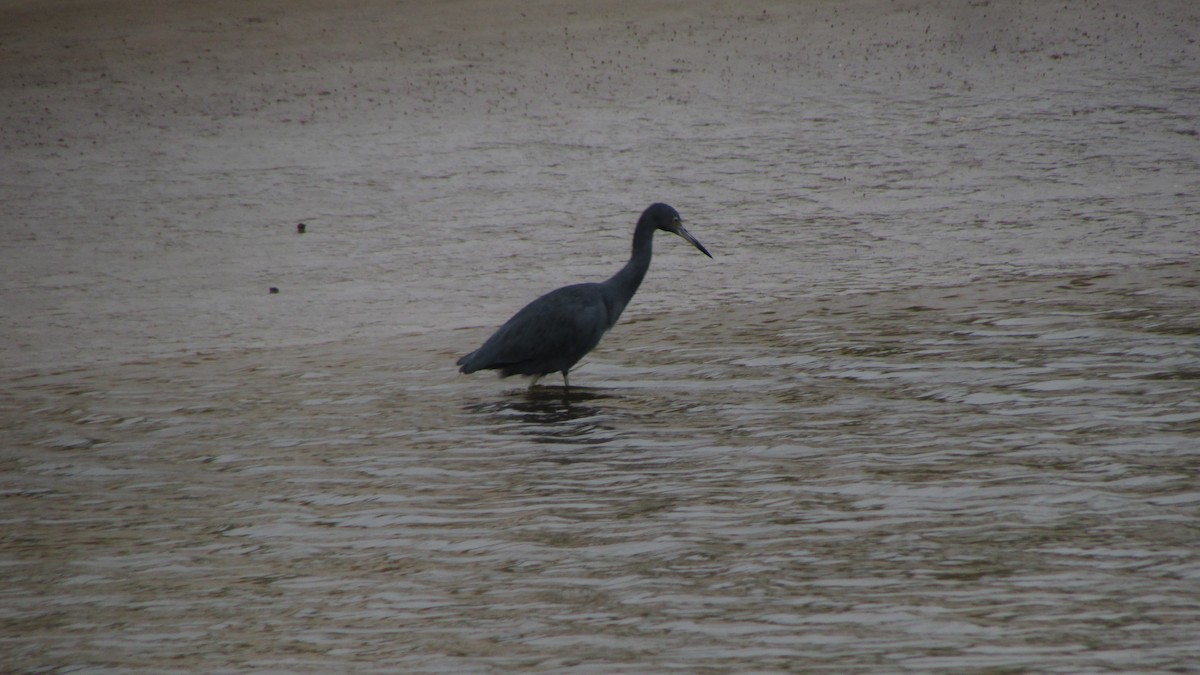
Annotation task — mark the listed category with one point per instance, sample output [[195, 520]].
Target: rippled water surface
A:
[[933, 407], [1000, 474]]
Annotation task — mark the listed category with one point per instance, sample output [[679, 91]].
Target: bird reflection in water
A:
[[549, 415]]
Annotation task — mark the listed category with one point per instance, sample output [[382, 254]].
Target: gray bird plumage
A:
[[551, 334]]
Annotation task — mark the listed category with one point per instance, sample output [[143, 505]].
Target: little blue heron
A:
[[553, 332]]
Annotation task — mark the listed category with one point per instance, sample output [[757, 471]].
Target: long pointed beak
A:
[[695, 242]]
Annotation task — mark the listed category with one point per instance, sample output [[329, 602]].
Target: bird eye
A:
[[675, 220]]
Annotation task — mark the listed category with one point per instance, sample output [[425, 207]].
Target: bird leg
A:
[[566, 382], [534, 382]]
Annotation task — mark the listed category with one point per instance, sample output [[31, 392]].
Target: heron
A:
[[551, 334]]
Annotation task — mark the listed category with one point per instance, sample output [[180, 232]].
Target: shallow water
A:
[[933, 406], [992, 475]]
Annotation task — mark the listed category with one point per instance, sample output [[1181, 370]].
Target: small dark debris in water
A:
[[274, 290], [301, 228]]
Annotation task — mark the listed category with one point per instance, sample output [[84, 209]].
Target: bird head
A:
[[667, 218]]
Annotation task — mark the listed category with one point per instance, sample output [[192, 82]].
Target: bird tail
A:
[[465, 362]]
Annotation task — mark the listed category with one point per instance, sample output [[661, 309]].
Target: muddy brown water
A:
[[933, 407], [997, 475]]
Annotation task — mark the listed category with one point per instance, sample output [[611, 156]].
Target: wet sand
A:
[[932, 407]]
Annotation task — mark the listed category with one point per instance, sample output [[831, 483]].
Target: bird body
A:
[[552, 333]]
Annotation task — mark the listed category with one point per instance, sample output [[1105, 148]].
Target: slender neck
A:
[[630, 277]]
